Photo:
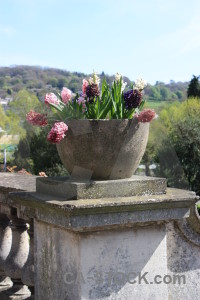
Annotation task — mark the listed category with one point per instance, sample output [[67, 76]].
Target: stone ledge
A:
[[188, 232], [17, 182], [93, 214], [96, 189]]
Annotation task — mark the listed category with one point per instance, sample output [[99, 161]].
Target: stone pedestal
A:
[[97, 189], [125, 246]]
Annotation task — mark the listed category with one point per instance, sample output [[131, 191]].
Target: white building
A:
[[5, 102]]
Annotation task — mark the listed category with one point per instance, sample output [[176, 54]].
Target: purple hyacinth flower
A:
[[132, 99]]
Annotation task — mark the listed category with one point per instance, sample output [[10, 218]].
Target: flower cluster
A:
[[109, 102], [140, 84], [37, 119], [90, 88], [57, 132], [147, 115], [66, 95], [51, 99], [132, 99], [119, 77], [84, 87], [94, 79]]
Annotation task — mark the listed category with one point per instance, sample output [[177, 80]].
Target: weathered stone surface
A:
[[103, 149], [5, 247], [194, 220], [17, 292], [93, 214], [100, 265], [57, 252], [19, 251], [101, 248], [5, 239], [5, 283], [12, 182], [27, 272], [183, 260], [72, 189]]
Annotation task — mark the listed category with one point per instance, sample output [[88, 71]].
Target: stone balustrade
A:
[[125, 239], [16, 241]]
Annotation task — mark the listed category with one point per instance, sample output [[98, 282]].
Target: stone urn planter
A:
[[103, 149]]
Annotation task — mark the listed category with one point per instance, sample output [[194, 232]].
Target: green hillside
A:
[[41, 80]]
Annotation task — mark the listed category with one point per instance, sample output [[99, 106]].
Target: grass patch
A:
[[156, 105]]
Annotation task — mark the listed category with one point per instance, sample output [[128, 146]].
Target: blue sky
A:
[[157, 40]]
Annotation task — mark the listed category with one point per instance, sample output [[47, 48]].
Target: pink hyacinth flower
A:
[[37, 119], [66, 95], [84, 87], [57, 132], [147, 115], [51, 98]]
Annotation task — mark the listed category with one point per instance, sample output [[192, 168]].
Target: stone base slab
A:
[[97, 189]]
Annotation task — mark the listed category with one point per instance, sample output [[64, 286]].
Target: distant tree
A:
[[23, 102], [4, 120], [2, 82], [15, 80], [159, 83], [194, 87], [177, 148], [165, 93], [173, 96], [37, 79], [22, 157], [52, 81], [45, 156], [61, 83], [180, 157], [35, 154], [14, 125], [9, 91], [179, 94], [75, 84], [154, 93]]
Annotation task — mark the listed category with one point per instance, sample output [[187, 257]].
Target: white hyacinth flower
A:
[[94, 79], [118, 77], [123, 85], [140, 84]]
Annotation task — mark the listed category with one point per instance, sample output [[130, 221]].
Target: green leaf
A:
[[106, 109], [129, 113], [141, 105], [57, 106]]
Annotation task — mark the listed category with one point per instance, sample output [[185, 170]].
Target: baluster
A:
[[27, 274], [5, 246], [17, 258]]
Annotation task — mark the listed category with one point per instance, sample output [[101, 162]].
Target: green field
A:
[[157, 105]]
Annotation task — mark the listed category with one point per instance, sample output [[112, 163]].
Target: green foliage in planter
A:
[[109, 103]]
